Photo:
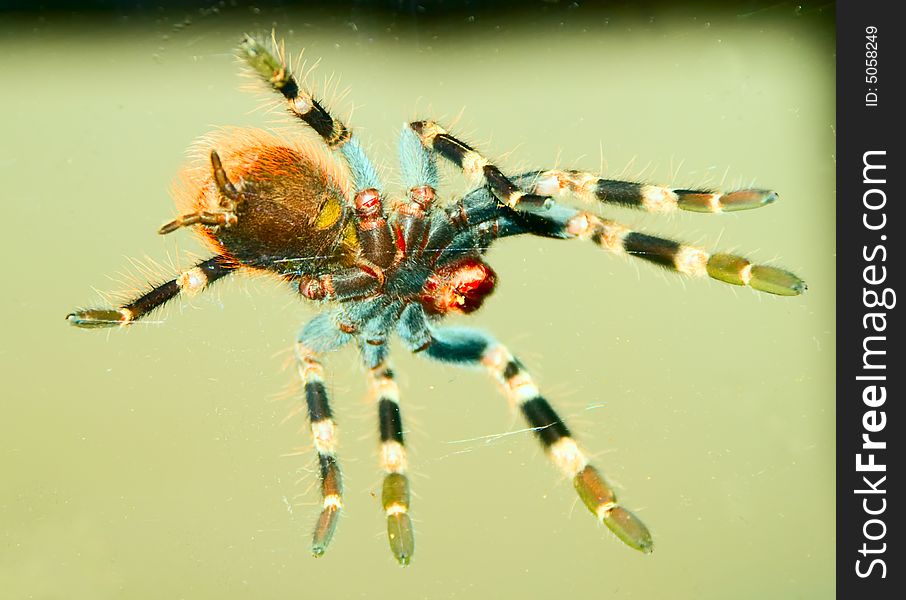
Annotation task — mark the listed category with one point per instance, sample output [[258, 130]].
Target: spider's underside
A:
[[267, 204]]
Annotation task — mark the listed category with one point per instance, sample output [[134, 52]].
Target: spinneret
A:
[[386, 264]]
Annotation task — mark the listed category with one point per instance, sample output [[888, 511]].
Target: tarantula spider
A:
[[272, 205]]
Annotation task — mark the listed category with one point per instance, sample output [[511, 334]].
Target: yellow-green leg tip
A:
[[776, 281], [629, 529], [746, 200]]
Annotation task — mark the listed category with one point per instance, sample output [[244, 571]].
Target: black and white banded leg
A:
[[395, 490], [324, 436], [436, 138], [648, 197], [188, 282], [272, 68], [468, 347], [569, 223]]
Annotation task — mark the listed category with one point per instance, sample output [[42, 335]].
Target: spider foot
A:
[[395, 499], [226, 215], [324, 529], [332, 504], [96, 318], [600, 500], [263, 62]]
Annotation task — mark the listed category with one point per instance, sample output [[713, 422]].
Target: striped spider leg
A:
[[648, 197], [470, 347], [375, 321], [566, 222], [368, 323], [488, 220], [230, 204], [531, 193], [419, 171], [189, 282]]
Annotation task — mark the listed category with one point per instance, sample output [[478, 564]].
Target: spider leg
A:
[[395, 489], [453, 230], [419, 230], [569, 223], [324, 436], [417, 163], [436, 138], [188, 282], [224, 216], [373, 230], [322, 334], [648, 197], [689, 260], [469, 347], [272, 68], [361, 281], [370, 322], [410, 218], [729, 268]]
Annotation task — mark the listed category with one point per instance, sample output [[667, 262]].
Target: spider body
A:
[[398, 267]]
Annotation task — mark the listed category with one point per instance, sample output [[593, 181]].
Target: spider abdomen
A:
[[291, 210]]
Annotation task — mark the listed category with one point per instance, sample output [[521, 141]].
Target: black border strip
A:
[[865, 250]]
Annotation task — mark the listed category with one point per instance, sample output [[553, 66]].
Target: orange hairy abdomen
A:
[[292, 209]]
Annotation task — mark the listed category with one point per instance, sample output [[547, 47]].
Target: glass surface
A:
[[152, 463]]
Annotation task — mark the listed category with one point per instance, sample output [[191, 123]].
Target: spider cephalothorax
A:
[[267, 204]]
